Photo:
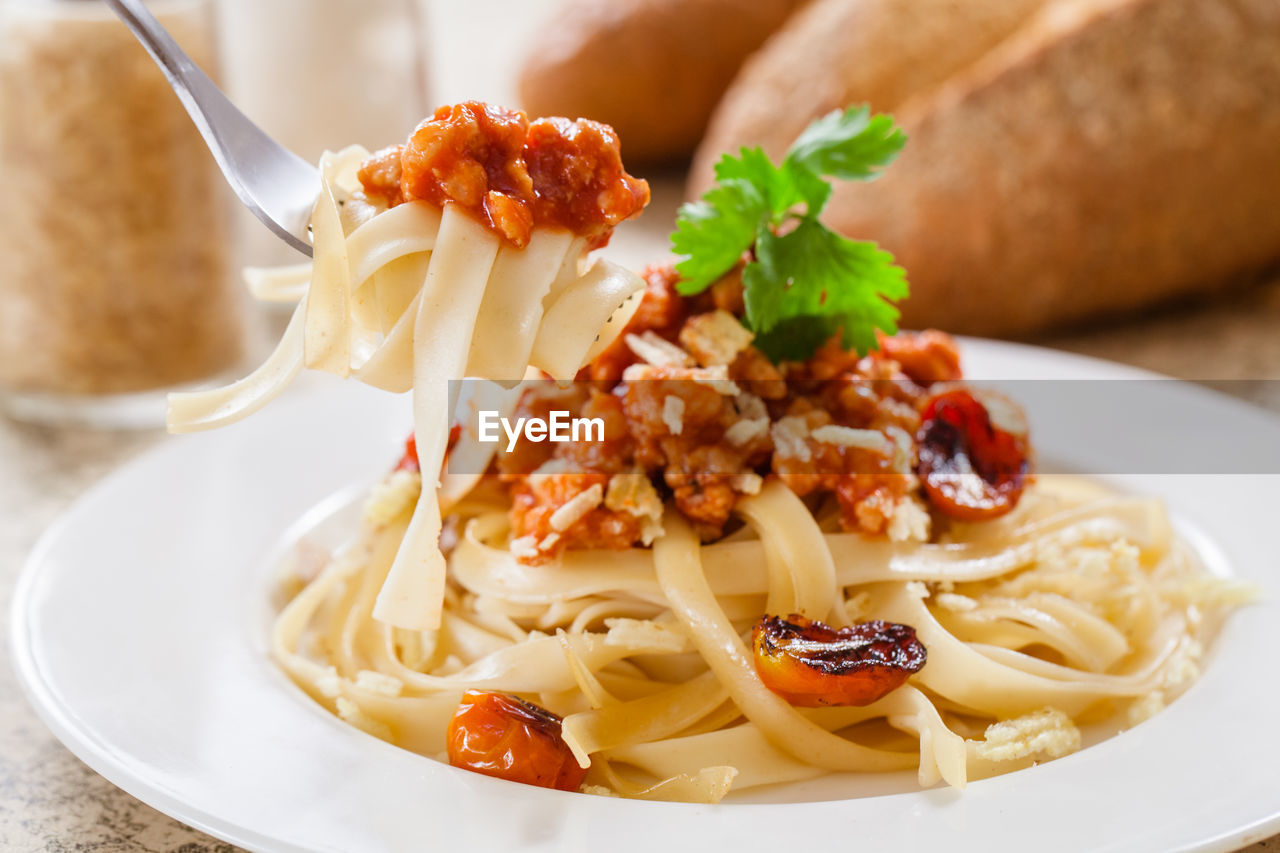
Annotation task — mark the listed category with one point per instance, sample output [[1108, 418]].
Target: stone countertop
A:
[[50, 801]]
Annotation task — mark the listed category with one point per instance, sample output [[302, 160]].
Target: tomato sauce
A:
[[512, 174]]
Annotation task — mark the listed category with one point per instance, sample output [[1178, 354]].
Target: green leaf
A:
[[795, 339], [713, 233], [782, 188], [814, 272], [804, 283], [851, 145]]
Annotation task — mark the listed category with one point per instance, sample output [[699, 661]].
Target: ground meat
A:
[[927, 357], [471, 154], [538, 402], [578, 179], [698, 464], [864, 482], [380, 176], [705, 435], [753, 371], [705, 413], [701, 483], [511, 174], [613, 455], [534, 500]]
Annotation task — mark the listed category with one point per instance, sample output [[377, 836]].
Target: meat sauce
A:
[[710, 463], [511, 173]]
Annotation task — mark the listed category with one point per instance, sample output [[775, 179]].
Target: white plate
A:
[[139, 632]]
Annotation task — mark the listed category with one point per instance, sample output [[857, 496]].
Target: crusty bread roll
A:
[[1108, 155], [1112, 154], [840, 52], [654, 69]]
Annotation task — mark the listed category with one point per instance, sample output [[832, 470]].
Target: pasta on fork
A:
[[459, 254]]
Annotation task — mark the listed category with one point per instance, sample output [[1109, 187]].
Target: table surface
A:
[[51, 801]]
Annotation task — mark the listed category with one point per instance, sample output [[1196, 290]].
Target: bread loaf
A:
[[840, 52], [1111, 154], [654, 69]]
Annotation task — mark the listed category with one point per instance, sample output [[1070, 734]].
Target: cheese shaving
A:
[[715, 338], [1040, 735], [656, 350], [379, 682], [789, 438], [673, 414], [843, 436], [576, 507], [744, 431]]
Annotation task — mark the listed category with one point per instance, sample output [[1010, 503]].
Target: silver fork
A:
[[276, 184]]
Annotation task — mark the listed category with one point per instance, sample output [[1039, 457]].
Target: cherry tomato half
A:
[[973, 466], [810, 664], [503, 736]]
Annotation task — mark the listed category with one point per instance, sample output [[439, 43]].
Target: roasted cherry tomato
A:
[[973, 453], [811, 664], [500, 735]]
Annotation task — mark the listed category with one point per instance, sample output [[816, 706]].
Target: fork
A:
[[273, 182]]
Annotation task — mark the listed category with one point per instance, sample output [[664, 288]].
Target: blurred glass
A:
[[322, 75], [114, 272]]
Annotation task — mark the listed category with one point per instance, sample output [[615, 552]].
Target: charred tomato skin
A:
[[971, 467], [508, 738], [811, 664]]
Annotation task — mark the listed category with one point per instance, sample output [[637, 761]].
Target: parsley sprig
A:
[[804, 282]]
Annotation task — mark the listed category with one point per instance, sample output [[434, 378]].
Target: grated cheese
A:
[[634, 494], [524, 547], [955, 603], [843, 436], [656, 350], [350, 712], [716, 378], [750, 406], [576, 507], [1040, 735], [392, 496], [747, 483], [918, 589], [644, 633], [715, 338], [598, 790], [789, 436], [1145, 707], [379, 682], [909, 522], [744, 431], [673, 414], [329, 683]]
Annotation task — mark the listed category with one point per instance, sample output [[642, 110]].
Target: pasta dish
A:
[[790, 540]]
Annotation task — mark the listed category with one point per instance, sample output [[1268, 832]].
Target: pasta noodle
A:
[[978, 604], [396, 300]]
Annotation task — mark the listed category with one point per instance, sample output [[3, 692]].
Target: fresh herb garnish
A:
[[804, 282]]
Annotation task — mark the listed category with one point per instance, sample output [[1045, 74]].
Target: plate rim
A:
[[97, 755]]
